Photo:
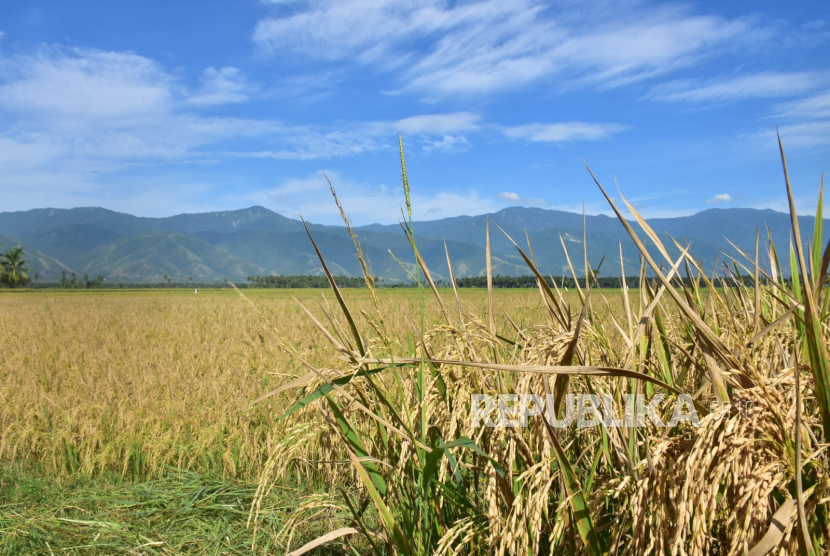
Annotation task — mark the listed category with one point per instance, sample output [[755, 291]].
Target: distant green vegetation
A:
[[303, 282], [13, 269], [560, 281], [73, 282], [605, 282]]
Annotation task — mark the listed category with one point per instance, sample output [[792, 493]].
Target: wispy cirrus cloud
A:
[[563, 131], [768, 84], [340, 139], [366, 202], [447, 143], [221, 86], [74, 117], [432, 132], [816, 106], [102, 110], [489, 45], [438, 123], [809, 134]]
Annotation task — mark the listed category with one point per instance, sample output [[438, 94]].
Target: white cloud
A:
[[516, 199], [73, 115], [334, 30], [85, 83], [564, 131], [221, 86], [801, 135], [97, 111], [721, 198], [488, 45], [438, 124], [817, 106], [447, 143], [432, 131], [366, 203], [807, 134], [759, 85], [301, 142]]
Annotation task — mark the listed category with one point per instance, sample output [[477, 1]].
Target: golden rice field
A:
[[115, 394], [297, 422], [135, 384], [131, 382]]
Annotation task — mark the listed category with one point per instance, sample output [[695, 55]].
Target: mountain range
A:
[[236, 244]]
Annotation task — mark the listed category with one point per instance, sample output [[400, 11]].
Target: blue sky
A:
[[157, 108]]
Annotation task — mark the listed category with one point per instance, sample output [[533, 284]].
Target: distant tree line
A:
[[71, 281], [304, 282], [74, 283], [14, 273], [530, 281], [607, 282]]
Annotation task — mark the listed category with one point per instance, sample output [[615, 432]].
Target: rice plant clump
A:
[[746, 353]]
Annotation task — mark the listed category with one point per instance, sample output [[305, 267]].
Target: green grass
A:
[[183, 513]]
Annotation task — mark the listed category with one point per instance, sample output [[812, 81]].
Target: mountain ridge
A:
[[234, 244]]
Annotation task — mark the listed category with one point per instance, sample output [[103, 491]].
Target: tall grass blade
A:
[[353, 438], [707, 334], [539, 278], [454, 285], [756, 324], [337, 293], [816, 346], [427, 274], [805, 545], [818, 238], [399, 537], [325, 389], [575, 495], [491, 317]]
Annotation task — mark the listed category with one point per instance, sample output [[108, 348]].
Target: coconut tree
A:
[[14, 267]]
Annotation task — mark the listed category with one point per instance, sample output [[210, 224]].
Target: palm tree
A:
[[14, 267]]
